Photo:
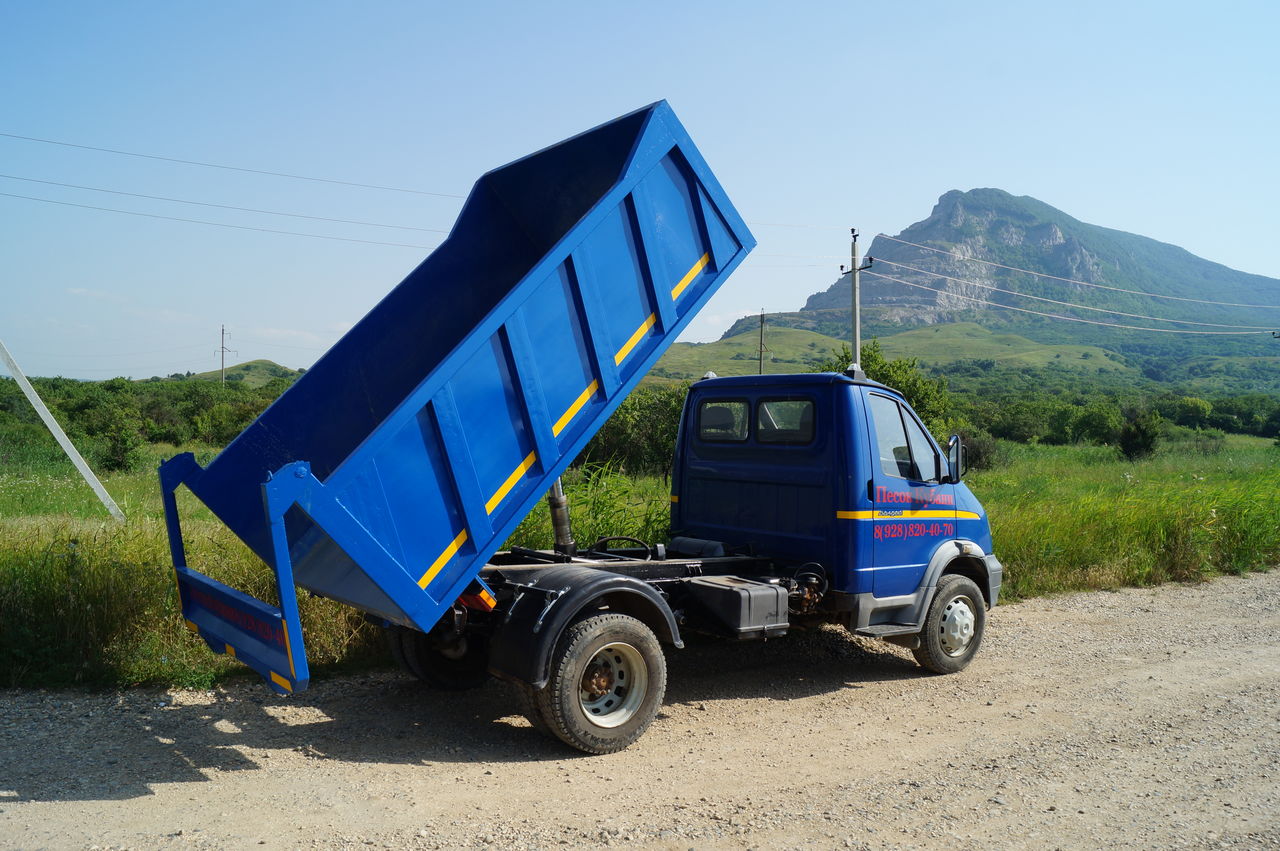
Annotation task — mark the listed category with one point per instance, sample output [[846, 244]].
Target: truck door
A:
[[913, 511]]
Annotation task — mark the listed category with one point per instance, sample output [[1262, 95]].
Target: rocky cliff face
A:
[[927, 275], [985, 224]]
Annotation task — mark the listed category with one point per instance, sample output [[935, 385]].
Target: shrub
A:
[[640, 437], [928, 396], [1138, 436], [981, 450], [1098, 422]]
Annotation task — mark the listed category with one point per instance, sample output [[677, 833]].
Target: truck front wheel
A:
[[953, 627], [607, 680]]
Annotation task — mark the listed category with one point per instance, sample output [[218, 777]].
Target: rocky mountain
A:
[[931, 273]]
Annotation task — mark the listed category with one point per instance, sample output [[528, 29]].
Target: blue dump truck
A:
[[388, 476]]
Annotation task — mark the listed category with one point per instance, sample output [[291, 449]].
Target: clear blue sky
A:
[[1156, 118]]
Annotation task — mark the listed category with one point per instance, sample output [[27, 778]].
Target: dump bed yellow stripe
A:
[[567, 416], [510, 482], [635, 338], [288, 651], [690, 275], [442, 559]]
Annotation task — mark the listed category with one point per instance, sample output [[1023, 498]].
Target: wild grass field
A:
[[86, 600], [1067, 518]]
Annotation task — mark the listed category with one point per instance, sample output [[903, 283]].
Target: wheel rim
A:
[[613, 685], [958, 626]]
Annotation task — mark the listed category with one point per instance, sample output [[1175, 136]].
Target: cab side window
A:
[[923, 455], [891, 438]]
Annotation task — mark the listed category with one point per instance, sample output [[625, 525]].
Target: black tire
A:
[[456, 666], [396, 647], [527, 698], [953, 627], [608, 677]]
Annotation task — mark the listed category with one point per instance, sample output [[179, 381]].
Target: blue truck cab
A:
[[838, 472]]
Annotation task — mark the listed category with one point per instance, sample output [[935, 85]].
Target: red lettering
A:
[[891, 531], [265, 631]]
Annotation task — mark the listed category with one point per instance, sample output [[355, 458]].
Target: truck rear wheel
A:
[[457, 665], [608, 677], [953, 627]]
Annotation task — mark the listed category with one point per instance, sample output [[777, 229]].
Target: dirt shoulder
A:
[[1143, 718]]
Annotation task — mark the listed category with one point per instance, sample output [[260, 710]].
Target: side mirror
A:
[[955, 459]]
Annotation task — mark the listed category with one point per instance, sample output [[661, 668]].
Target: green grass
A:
[[86, 600], [1073, 518]]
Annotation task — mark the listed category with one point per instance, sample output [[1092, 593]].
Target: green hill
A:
[[787, 350], [940, 345], [944, 284], [941, 348], [254, 373]]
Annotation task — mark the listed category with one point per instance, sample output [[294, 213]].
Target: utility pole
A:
[[856, 287], [760, 360], [222, 350], [59, 435]]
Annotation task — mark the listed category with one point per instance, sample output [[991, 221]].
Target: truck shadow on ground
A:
[[115, 747]]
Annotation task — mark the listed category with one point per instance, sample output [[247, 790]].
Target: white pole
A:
[[855, 283], [59, 434]]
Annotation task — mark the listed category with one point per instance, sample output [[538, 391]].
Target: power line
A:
[[804, 256], [1073, 281], [787, 225], [219, 206], [118, 354], [282, 345], [1066, 303], [213, 224], [232, 167], [1067, 318]]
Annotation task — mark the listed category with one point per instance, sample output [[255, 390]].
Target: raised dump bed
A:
[[390, 472]]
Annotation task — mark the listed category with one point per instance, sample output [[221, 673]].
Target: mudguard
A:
[[521, 648], [954, 556]]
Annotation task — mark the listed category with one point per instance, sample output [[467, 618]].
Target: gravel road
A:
[[1139, 719]]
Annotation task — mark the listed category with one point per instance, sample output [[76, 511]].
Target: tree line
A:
[[113, 421]]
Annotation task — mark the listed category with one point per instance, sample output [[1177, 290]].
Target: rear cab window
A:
[[787, 420], [723, 420]]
